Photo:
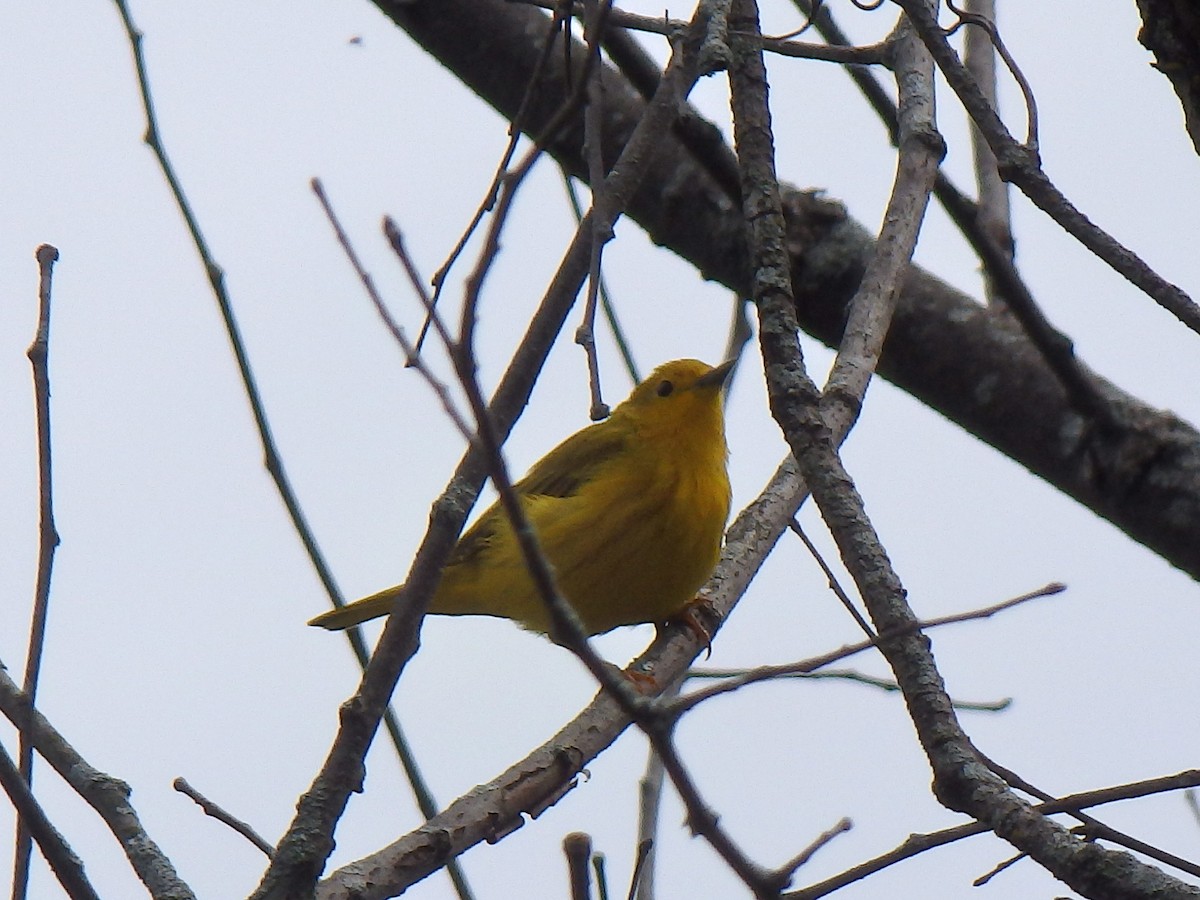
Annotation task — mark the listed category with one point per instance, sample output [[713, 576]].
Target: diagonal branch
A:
[[530, 787], [961, 781], [107, 795], [67, 867], [1018, 163]]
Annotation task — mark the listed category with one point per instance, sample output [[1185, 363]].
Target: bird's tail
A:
[[359, 611]]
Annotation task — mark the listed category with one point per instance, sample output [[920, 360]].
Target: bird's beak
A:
[[717, 376]]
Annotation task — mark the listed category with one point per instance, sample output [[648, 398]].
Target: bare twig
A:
[[979, 56], [869, 55], [606, 303], [812, 664], [577, 847], [67, 867], [412, 358], [831, 578], [919, 843], [107, 795], [595, 20], [987, 24], [885, 684], [38, 353], [840, 827], [212, 809], [553, 26], [506, 179]]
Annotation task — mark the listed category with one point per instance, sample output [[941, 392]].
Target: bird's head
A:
[[681, 397]]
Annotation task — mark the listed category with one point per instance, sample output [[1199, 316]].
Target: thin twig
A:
[[987, 24], [107, 795], [554, 25], [740, 335], [885, 684], [67, 867], [919, 843], [412, 358], [212, 809], [871, 54], [831, 578], [789, 868], [507, 179], [812, 664], [48, 540], [593, 128], [994, 214], [606, 303]]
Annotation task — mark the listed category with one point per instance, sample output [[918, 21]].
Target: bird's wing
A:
[[573, 463], [560, 473]]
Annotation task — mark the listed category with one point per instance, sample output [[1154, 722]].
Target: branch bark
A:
[[1171, 31], [1142, 472]]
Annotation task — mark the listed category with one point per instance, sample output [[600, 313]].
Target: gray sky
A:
[[177, 643]]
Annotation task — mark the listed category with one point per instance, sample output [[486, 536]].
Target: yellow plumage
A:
[[629, 512]]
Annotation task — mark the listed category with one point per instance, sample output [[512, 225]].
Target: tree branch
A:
[[107, 795]]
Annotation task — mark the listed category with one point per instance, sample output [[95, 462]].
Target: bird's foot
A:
[[695, 616]]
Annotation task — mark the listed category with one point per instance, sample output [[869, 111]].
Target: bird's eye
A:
[[665, 388]]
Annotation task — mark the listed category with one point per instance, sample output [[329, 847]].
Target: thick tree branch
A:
[[1142, 474], [107, 795], [1171, 31]]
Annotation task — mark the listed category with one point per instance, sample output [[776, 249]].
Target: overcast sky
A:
[[176, 643]]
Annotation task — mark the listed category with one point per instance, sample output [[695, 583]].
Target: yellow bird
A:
[[629, 512]]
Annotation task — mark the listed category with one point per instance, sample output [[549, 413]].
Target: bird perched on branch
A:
[[629, 512]]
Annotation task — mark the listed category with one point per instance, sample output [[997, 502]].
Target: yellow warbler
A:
[[629, 512]]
